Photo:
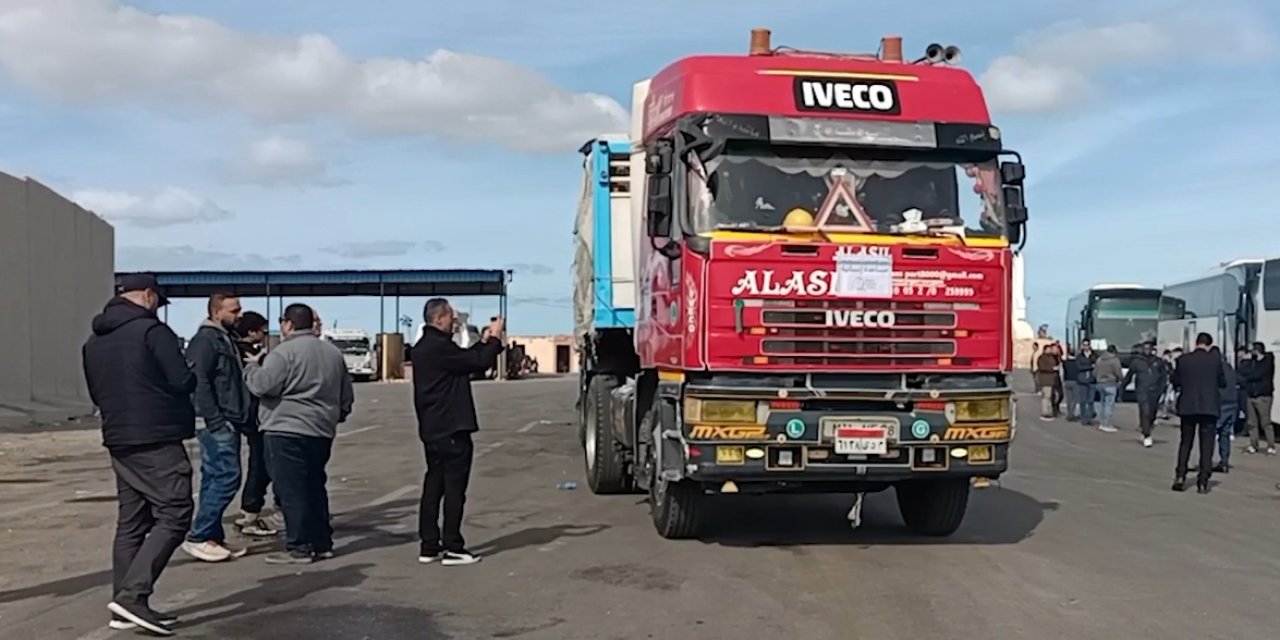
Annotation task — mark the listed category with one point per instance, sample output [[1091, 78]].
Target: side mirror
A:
[[1012, 173], [660, 204], [1015, 210], [658, 160]]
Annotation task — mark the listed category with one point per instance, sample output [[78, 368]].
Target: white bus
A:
[[1123, 315], [1238, 304]]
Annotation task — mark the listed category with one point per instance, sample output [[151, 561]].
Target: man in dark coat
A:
[[251, 336], [1149, 377], [1258, 378], [222, 403], [446, 414], [1227, 416], [141, 383], [1199, 379]]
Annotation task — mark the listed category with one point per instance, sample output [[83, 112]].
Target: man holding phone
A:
[[446, 412]]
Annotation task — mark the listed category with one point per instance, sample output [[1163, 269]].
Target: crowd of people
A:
[[283, 404], [1214, 400]]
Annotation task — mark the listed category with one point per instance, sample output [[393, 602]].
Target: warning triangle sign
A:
[[841, 209]]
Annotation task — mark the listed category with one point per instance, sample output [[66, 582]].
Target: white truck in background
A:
[[357, 351]]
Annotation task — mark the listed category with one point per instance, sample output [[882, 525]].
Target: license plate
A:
[[830, 425], [862, 441]]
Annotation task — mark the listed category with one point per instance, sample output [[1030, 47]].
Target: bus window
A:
[[1271, 285]]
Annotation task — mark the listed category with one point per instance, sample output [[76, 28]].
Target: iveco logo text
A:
[[842, 95], [857, 319]]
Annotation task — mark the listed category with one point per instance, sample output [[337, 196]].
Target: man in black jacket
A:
[[222, 403], [251, 336], [446, 413], [1199, 379], [1149, 377], [1258, 378], [139, 380]]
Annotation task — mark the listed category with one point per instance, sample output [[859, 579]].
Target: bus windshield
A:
[[1125, 322], [764, 188]]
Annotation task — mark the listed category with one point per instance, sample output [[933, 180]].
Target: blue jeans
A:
[[1071, 389], [1086, 390], [1226, 427], [219, 481], [1108, 393]]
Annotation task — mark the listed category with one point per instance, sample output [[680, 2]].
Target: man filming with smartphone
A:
[[446, 412]]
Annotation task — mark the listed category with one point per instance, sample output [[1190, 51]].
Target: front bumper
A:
[[793, 445], [789, 464]]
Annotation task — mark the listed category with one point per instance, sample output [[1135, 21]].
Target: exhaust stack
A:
[[760, 45]]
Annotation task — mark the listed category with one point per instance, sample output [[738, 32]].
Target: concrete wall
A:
[[543, 349], [57, 265]]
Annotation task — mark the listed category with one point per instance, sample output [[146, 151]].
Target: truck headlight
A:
[[730, 411], [981, 410]]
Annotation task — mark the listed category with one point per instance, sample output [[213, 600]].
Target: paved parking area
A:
[[1083, 539]]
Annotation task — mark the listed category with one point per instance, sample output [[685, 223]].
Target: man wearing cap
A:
[[140, 381]]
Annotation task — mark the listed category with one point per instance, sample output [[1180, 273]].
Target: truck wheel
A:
[[606, 469], [933, 507], [675, 507]]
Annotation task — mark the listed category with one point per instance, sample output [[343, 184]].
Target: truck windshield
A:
[[353, 347], [748, 188]]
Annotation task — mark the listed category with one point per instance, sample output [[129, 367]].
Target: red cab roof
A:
[[799, 85]]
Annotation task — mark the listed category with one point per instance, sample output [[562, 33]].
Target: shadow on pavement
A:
[[290, 587], [537, 537], [995, 516], [364, 523]]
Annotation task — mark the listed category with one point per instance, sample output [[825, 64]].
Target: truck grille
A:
[[797, 332]]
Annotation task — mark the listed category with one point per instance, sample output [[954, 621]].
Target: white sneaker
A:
[[458, 559], [1106, 428], [207, 551], [1146, 442]]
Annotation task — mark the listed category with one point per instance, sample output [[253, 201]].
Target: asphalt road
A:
[[1083, 539]]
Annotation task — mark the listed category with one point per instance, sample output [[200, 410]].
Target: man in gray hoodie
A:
[[1108, 372], [305, 392]]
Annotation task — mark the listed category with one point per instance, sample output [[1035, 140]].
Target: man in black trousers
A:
[[1199, 379], [140, 381], [446, 411]]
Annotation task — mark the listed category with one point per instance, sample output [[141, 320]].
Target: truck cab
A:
[[357, 352], [794, 275]]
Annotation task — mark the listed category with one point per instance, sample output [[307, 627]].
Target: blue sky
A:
[[324, 134]]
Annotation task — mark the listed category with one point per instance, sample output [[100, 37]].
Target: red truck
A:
[[794, 275]]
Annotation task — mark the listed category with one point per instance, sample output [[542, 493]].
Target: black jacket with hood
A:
[[138, 377]]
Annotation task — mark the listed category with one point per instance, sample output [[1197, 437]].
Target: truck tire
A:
[[933, 507], [675, 507], [606, 468]]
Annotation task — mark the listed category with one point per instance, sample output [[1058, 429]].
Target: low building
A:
[[554, 354]]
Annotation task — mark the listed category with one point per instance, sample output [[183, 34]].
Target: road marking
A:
[[410, 488], [531, 425], [393, 496], [360, 430], [27, 509]]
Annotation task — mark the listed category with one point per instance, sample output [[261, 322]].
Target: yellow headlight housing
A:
[[720, 411], [982, 410]]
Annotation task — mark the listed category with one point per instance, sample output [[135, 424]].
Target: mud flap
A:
[[855, 514], [669, 446]]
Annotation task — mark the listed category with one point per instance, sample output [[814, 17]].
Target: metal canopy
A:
[[294, 284]]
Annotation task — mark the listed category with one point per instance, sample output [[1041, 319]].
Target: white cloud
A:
[[373, 248], [159, 208], [186, 257], [100, 51], [1056, 68], [277, 160]]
